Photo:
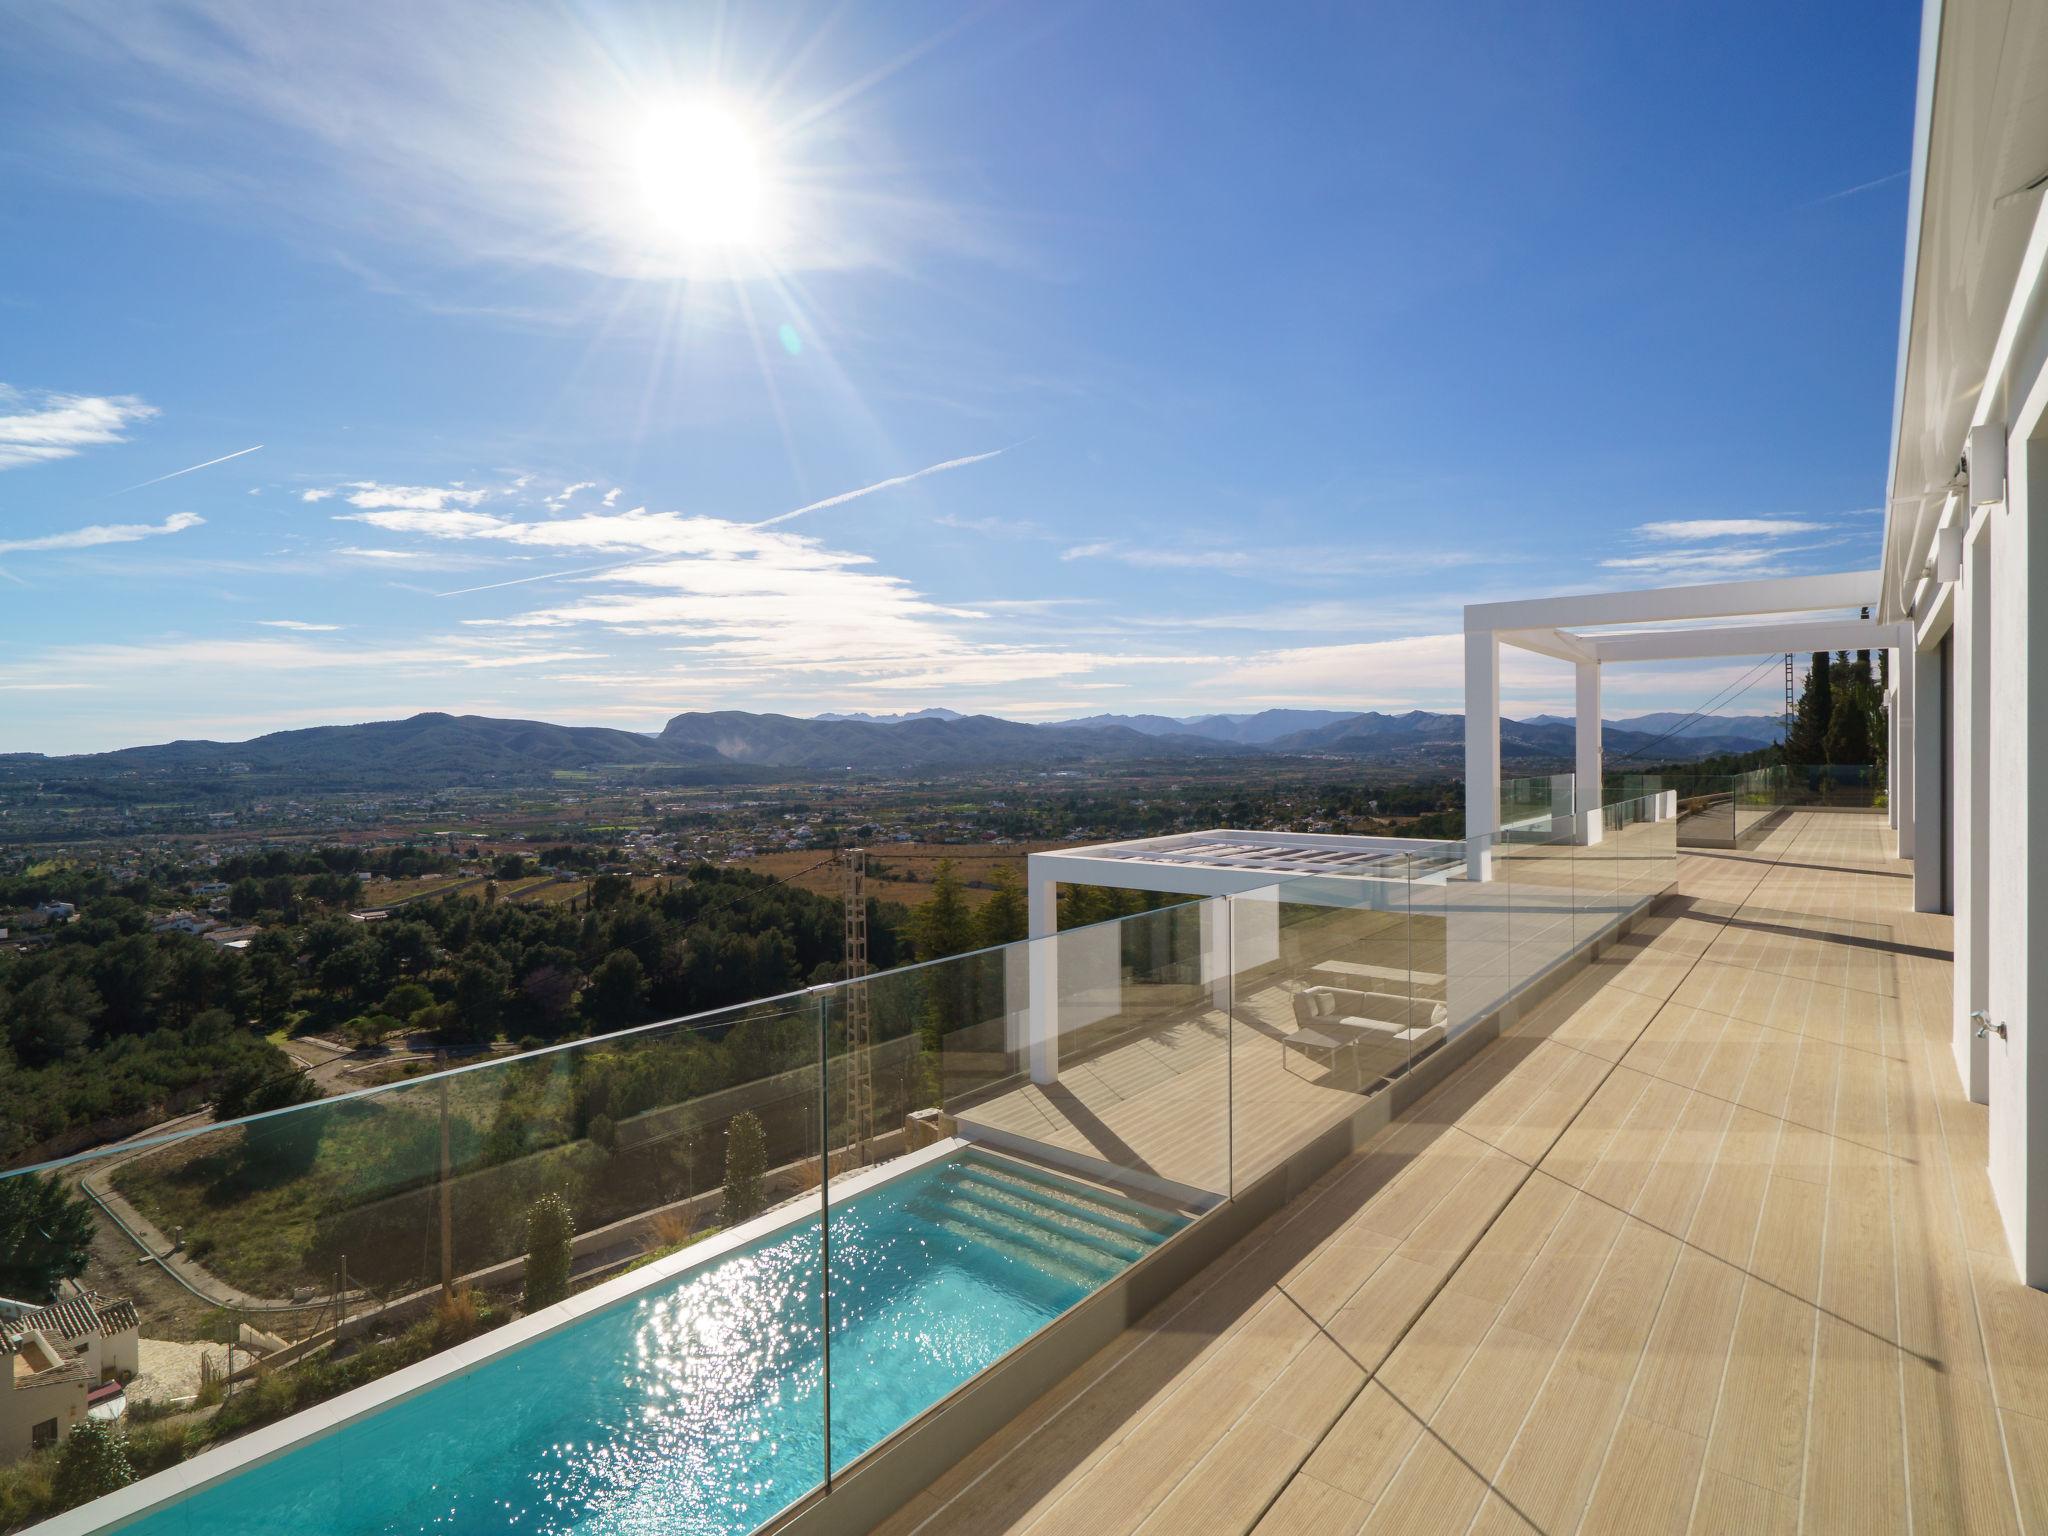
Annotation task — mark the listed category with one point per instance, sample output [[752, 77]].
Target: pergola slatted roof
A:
[[1224, 859]]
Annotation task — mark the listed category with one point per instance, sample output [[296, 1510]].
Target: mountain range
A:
[[440, 750]]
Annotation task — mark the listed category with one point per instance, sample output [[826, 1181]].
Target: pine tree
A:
[[1004, 919], [942, 925], [1807, 740]]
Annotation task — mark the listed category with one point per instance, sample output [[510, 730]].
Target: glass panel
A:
[[570, 1205], [1331, 1001], [1536, 798], [1044, 1151]]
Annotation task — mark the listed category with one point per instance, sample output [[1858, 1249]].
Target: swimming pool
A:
[[697, 1407]]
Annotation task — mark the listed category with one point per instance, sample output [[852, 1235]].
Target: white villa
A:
[[58, 1357]]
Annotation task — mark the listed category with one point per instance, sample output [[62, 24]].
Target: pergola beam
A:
[[1550, 642], [1656, 605]]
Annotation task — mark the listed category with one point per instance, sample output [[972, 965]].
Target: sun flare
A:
[[701, 175]]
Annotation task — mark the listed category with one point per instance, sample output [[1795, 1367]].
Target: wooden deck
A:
[[1706, 1244], [1155, 1104]]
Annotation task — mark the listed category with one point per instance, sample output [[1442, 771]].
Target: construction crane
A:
[[860, 1080]]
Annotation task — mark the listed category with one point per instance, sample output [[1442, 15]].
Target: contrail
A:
[[581, 570], [880, 485], [1835, 197], [160, 479]]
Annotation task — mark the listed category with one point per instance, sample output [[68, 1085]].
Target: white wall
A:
[[1972, 831], [2018, 874]]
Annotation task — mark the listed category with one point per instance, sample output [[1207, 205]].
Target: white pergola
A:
[[1589, 630], [1222, 862]]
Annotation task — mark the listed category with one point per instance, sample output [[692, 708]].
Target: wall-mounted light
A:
[[1948, 551], [1987, 463]]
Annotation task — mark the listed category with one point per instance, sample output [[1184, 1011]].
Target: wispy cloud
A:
[[1729, 528], [316, 495], [188, 469], [104, 533], [41, 426], [1276, 562], [298, 624], [1000, 527], [414, 498], [1723, 563], [1162, 558], [882, 485]]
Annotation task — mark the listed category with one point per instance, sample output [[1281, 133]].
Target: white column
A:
[[1928, 832], [1891, 744], [1971, 766], [1482, 749], [1587, 765], [1906, 678], [1042, 904], [1216, 950]]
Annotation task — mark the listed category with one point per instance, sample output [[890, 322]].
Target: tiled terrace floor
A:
[[1706, 1244]]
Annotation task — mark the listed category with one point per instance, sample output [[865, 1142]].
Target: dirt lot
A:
[[902, 871]]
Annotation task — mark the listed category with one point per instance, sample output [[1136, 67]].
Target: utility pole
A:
[[860, 1082]]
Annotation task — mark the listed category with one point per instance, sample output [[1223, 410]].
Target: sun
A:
[[701, 176]]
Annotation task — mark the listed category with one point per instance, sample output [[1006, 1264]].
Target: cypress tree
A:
[[550, 1251]]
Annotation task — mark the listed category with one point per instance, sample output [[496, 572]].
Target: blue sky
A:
[[1190, 357]]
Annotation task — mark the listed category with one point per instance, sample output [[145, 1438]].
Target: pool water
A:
[[697, 1408]]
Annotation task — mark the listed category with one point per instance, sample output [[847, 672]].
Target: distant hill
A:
[[921, 714], [918, 745], [1258, 730], [426, 750], [1759, 729], [429, 751], [1421, 739]]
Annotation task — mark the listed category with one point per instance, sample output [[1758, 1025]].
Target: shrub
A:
[[550, 1234], [746, 1160], [455, 1318], [604, 1132], [93, 1463]]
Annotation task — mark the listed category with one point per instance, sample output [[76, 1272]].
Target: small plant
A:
[[550, 1238], [455, 1317], [746, 1160], [673, 1229], [604, 1132], [93, 1463]]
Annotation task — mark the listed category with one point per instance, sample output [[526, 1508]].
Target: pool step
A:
[[1020, 1247], [1125, 1237], [1161, 1224], [1060, 1228]]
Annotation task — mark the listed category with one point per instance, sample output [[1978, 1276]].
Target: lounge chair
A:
[[1378, 1032]]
